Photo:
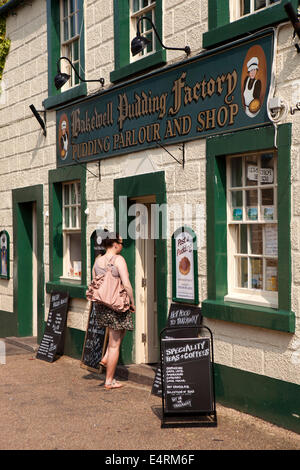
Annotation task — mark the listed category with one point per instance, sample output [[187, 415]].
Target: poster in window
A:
[[4, 250], [185, 266]]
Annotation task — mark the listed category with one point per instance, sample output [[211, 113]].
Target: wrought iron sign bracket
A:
[[182, 162], [92, 173]]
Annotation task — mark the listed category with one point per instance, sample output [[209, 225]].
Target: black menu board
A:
[[179, 316], [184, 315], [187, 376], [52, 343], [94, 343]]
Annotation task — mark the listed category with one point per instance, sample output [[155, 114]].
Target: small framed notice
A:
[[185, 266], [4, 249]]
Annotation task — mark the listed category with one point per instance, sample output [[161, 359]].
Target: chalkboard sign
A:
[[184, 315], [52, 343], [179, 316], [187, 375], [94, 343], [187, 381]]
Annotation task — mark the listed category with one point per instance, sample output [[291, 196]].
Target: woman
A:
[[116, 322]]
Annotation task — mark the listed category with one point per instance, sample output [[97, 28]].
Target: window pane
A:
[[251, 201], [243, 238], [135, 5], [271, 240], [251, 170], [73, 26], [236, 171], [65, 7], [256, 273], [267, 197], [259, 4], [144, 3], [267, 168], [66, 194], [67, 217], [78, 217], [66, 30], [246, 7], [150, 45], [75, 51], [78, 193], [76, 79], [237, 205], [74, 217], [256, 239], [72, 6], [271, 275], [242, 272], [73, 194]]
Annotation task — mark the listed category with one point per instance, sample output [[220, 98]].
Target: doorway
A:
[[28, 260], [146, 338], [147, 263]]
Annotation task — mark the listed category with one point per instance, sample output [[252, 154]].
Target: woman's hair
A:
[[109, 238]]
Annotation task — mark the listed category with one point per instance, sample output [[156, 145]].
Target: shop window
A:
[[248, 194], [252, 229], [67, 231], [72, 230], [232, 19], [126, 15], [65, 37]]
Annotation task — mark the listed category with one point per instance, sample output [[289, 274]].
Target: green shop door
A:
[[28, 262]]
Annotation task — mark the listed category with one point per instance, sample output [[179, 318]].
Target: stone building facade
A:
[[256, 334]]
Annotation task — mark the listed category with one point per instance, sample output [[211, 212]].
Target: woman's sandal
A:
[[101, 364], [113, 384]]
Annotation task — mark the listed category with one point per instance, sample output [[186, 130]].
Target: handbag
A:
[[109, 290]]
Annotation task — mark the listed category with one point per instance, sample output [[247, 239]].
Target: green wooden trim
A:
[[56, 178], [154, 60], [217, 148], [221, 30], [246, 314], [195, 301], [270, 399], [63, 98], [74, 290], [22, 196], [56, 97], [123, 67], [134, 186], [8, 324], [6, 276]]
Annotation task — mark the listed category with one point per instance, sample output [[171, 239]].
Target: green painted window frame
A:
[[282, 318], [123, 67], [131, 187], [57, 97], [220, 30], [56, 178]]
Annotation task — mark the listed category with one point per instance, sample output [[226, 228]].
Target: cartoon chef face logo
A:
[[63, 136], [254, 81]]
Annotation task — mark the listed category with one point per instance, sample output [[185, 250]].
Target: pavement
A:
[[62, 406]]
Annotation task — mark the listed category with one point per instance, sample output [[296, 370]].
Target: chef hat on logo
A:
[[64, 125], [252, 64]]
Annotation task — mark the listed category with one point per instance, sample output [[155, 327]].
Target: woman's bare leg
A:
[[111, 356]]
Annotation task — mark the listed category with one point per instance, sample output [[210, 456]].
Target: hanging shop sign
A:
[[184, 266], [219, 91]]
